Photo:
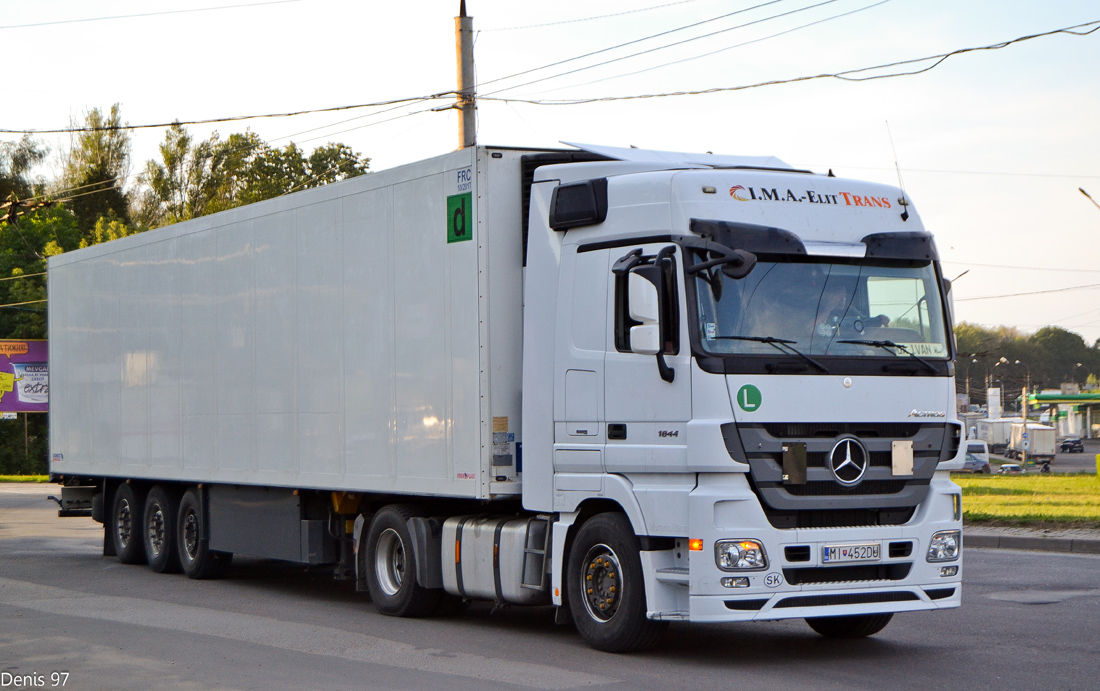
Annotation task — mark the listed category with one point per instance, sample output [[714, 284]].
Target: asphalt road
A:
[[1028, 621]]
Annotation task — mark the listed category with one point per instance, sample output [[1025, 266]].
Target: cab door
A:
[[647, 402]]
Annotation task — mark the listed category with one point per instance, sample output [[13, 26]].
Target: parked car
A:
[[979, 448], [1010, 469], [1072, 445], [976, 464]]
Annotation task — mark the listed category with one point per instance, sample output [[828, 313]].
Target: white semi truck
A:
[[1035, 441], [639, 386]]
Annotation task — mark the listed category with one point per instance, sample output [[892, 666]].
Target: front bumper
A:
[[687, 585]]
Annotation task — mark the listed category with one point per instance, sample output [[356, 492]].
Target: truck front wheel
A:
[[196, 558], [161, 509], [125, 525], [605, 587], [854, 626], [391, 566]]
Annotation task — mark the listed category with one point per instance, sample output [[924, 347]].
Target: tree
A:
[[25, 244], [1046, 358], [96, 169], [194, 179], [180, 184], [17, 160]]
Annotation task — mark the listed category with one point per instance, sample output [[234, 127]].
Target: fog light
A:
[[945, 546], [735, 582], [949, 570], [740, 555]]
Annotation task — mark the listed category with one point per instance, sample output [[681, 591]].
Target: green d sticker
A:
[[749, 398], [459, 210]]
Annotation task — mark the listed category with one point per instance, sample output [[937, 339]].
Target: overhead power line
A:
[[588, 19], [736, 45], [667, 45], [628, 43], [1033, 292], [146, 14], [234, 118], [1022, 268], [846, 75], [956, 172]]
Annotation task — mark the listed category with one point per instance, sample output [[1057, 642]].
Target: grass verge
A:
[[1036, 501], [24, 478]]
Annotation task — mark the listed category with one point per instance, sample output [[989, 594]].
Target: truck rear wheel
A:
[[854, 626], [196, 558], [605, 587], [161, 511], [125, 525], [391, 566]]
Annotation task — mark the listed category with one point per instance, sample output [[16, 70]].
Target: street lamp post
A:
[[1027, 389]]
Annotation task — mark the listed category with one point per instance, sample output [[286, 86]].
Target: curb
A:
[[1027, 542]]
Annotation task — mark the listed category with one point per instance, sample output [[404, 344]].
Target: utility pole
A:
[[464, 45]]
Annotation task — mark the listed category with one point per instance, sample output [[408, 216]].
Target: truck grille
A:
[[837, 518], [813, 498], [794, 430], [843, 574], [832, 489]]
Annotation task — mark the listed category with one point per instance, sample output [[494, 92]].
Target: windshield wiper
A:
[[783, 345], [891, 344]]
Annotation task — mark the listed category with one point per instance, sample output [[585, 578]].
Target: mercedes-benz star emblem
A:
[[848, 460]]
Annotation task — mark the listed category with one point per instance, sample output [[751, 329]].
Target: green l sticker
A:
[[749, 398], [459, 210]]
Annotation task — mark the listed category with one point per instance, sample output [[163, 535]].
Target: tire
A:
[[605, 588], [159, 530], [391, 566], [196, 559], [854, 626], [126, 520]]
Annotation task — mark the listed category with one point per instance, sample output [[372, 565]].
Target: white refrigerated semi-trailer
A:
[[645, 386]]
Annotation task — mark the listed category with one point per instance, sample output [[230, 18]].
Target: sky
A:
[[992, 146]]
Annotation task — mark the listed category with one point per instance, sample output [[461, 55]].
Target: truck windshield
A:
[[820, 306]]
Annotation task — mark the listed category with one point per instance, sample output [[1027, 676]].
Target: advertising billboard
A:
[[24, 376]]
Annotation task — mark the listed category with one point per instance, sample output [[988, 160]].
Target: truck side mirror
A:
[[649, 309], [645, 338]]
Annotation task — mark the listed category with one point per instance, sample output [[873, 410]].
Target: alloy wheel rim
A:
[[124, 523], [602, 583], [156, 531], [191, 535], [389, 561]]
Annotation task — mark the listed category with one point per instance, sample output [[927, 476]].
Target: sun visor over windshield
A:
[[749, 237], [913, 245]]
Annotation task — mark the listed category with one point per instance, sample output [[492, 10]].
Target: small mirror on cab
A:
[[645, 339]]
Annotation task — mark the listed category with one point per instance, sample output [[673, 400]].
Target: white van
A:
[[978, 448]]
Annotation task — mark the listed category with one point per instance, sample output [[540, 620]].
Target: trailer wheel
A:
[[855, 626], [126, 520], [161, 511], [391, 566], [197, 560], [605, 587]]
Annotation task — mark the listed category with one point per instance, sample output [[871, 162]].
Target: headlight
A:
[[945, 546], [740, 555]]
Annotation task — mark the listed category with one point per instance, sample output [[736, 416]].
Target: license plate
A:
[[838, 554]]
